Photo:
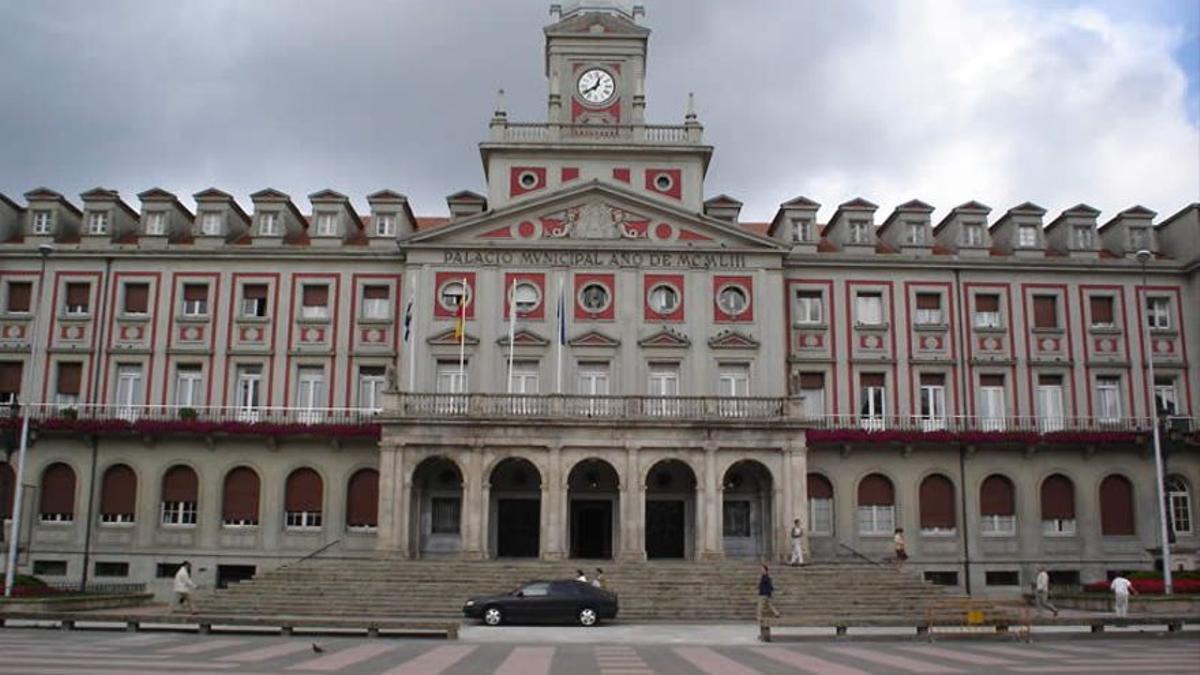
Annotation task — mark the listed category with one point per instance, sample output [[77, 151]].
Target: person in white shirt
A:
[[184, 586], [797, 544], [1121, 588], [1041, 591], [580, 576]]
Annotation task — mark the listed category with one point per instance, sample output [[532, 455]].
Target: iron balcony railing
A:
[[540, 132], [62, 414]]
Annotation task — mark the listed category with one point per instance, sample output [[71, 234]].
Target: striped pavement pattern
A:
[[44, 652]]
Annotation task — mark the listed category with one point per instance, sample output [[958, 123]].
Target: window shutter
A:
[[991, 380], [1116, 506], [10, 377], [77, 294], [180, 485], [876, 490], [996, 497], [241, 495], [19, 295], [254, 291], [58, 489], [303, 491], [933, 379], [6, 488], [316, 296], [69, 377], [812, 381], [137, 298], [1050, 380], [871, 379], [375, 292], [819, 487], [929, 301], [1102, 309], [937, 502], [1058, 498], [987, 303], [195, 292], [1045, 311], [118, 491], [362, 498]]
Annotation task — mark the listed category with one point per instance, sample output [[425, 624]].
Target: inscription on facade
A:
[[716, 261]]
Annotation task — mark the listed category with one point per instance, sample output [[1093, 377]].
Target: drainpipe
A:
[[98, 360], [962, 450]]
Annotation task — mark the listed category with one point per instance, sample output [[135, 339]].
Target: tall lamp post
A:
[[10, 569], [1143, 257]]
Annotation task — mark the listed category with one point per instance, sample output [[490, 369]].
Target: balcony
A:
[[975, 430], [534, 407], [652, 134]]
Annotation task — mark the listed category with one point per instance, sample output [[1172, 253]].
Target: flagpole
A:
[[512, 331], [562, 327], [462, 339], [408, 333]]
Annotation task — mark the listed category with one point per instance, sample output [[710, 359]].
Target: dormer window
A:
[[1083, 237], [41, 221], [1027, 236], [385, 225], [1139, 238], [858, 232], [98, 222], [212, 223], [801, 230], [326, 224], [914, 234], [972, 234], [156, 223], [268, 224]]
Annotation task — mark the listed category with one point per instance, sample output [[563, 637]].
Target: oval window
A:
[[526, 297], [663, 182], [733, 300], [528, 180], [452, 295], [594, 297], [663, 299]]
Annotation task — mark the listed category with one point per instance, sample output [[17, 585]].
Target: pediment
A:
[[666, 337], [42, 194], [598, 213], [594, 338], [386, 195], [1028, 207], [733, 339], [447, 337], [524, 338], [589, 22], [99, 194], [156, 195], [974, 207], [270, 195], [1139, 211], [213, 194]]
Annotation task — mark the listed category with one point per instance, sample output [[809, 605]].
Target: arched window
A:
[[302, 500], [362, 501], [820, 506], [937, 505], [997, 507], [179, 495], [1116, 506], [1058, 506], [876, 506], [7, 490], [58, 494], [1179, 499], [118, 495], [239, 506]]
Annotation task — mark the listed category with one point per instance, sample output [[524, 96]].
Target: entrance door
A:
[[664, 528], [517, 528], [591, 528]]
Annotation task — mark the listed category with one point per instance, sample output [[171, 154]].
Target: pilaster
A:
[[709, 502], [554, 504], [633, 509], [475, 502], [386, 537]]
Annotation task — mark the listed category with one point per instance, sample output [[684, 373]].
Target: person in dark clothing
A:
[[766, 589]]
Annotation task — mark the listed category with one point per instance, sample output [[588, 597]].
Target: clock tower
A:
[[596, 63]]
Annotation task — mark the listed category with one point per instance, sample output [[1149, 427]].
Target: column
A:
[[795, 495], [708, 504], [403, 509], [475, 502], [554, 503], [633, 509], [385, 539]]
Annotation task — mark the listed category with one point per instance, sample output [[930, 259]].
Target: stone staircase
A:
[[648, 591]]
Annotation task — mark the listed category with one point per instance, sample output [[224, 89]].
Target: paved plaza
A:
[[521, 651]]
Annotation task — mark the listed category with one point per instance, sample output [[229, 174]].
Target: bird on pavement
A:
[[318, 649]]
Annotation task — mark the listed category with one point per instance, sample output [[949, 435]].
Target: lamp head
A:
[[1143, 256], [45, 249]]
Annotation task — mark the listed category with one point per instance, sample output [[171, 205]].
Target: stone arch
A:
[[747, 509], [514, 508], [593, 509], [435, 509], [670, 518]]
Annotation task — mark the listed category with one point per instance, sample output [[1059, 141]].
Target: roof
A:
[[430, 222], [466, 196], [212, 194], [800, 201], [328, 195], [1194, 206], [1135, 212], [911, 206], [48, 195], [16, 207], [966, 207], [105, 194], [1081, 211], [761, 229], [722, 199], [270, 194]]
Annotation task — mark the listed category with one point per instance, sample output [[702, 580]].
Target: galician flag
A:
[[408, 315], [460, 327]]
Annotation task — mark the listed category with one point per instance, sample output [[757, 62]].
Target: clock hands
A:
[[593, 87]]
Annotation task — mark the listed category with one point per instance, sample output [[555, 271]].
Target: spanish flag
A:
[[460, 326]]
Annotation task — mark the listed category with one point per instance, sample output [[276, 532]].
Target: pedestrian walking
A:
[[797, 544], [1041, 591], [900, 546], [598, 580], [184, 586], [580, 576], [766, 589], [1121, 588]]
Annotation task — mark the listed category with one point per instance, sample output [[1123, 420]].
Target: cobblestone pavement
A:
[[47, 652]]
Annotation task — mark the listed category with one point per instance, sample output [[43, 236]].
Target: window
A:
[[871, 406], [526, 297], [78, 297], [664, 382], [820, 506], [1101, 307], [801, 230], [118, 495], [914, 234], [972, 234], [10, 381], [991, 402], [1050, 402], [375, 302], [733, 300], [524, 377], [810, 308], [70, 376], [310, 393], [452, 294], [997, 507], [189, 382], [1158, 313], [195, 300], [137, 299], [929, 309], [18, 298], [868, 309], [1179, 505], [876, 506], [362, 501], [239, 505], [180, 490], [1108, 399], [128, 394], [1002, 578], [1058, 506], [445, 513], [98, 222], [7, 483], [57, 496], [594, 297], [1166, 397], [1083, 238], [254, 301], [1116, 506], [1139, 239], [933, 401], [314, 302], [941, 578], [268, 224], [663, 299], [936, 496], [50, 568], [326, 224], [248, 394], [452, 379], [987, 310], [156, 223], [302, 500], [111, 569], [593, 381], [858, 232], [1045, 311], [41, 221], [733, 381], [735, 518], [812, 395], [385, 225], [212, 223], [1027, 236], [371, 383]]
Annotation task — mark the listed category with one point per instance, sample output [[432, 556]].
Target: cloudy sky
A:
[[1053, 101]]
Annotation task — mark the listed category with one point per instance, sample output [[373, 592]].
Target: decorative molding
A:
[[667, 337], [446, 337], [524, 338], [593, 339], [733, 339]]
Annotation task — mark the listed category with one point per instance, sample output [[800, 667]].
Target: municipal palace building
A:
[[594, 359]]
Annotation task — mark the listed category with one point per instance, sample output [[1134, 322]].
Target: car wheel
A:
[[492, 616], [588, 617]]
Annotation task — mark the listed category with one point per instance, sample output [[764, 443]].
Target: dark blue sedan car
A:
[[545, 602]]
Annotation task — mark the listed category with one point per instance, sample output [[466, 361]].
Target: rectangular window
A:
[[868, 309], [1108, 399], [735, 518], [128, 394], [871, 401], [268, 224], [10, 382], [987, 310], [310, 393], [1050, 403], [593, 381], [1166, 397], [212, 223], [1058, 527], [41, 221], [664, 383], [302, 520], [326, 224], [111, 569], [98, 222], [195, 300], [314, 301], [820, 517], [385, 225], [876, 520], [372, 380], [254, 300], [1101, 308], [19, 297], [1045, 311], [995, 525], [156, 223], [915, 234], [972, 234], [810, 308], [50, 568], [991, 402], [375, 302], [178, 514], [137, 298], [859, 232], [189, 382], [1139, 239], [929, 309], [801, 230], [1179, 506], [1002, 578], [1027, 236], [1084, 238], [78, 298], [70, 376], [812, 395], [733, 381], [1158, 313], [445, 512], [524, 382], [933, 401], [452, 380], [938, 578], [248, 394]]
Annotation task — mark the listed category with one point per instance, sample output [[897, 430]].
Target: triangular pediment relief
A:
[[99, 194], [732, 339], [212, 194], [666, 337], [596, 213], [156, 195], [447, 337], [524, 338], [594, 338], [328, 195], [270, 195]]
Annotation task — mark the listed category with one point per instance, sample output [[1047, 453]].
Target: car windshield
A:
[[534, 590]]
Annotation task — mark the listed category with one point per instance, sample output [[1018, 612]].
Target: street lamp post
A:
[[10, 569], [1143, 257]]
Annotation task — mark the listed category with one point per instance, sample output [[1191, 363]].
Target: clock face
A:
[[596, 86]]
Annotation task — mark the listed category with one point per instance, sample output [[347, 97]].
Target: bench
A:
[[994, 625], [205, 623]]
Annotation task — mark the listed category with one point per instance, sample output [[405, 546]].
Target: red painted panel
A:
[[607, 280], [441, 279], [652, 280], [514, 179], [569, 173], [675, 191], [621, 174], [747, 285], [503, 232], [538, 279]]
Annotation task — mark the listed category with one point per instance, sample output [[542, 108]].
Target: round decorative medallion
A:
[[871, 342], [374, 335], [252, 334], [811, 341], [310, 335], [1163, 346], [929, 342], [12, 332], [527, 230], [1047, 344], [991, 344], [191, 334], [74, 333]]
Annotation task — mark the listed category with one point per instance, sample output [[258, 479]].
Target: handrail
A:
[[319, 551], [860, 554]]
